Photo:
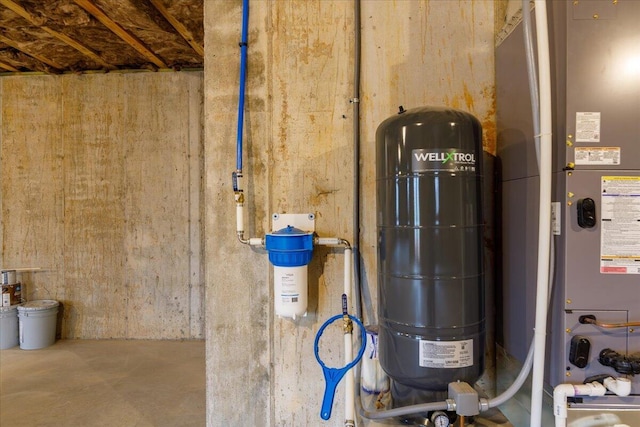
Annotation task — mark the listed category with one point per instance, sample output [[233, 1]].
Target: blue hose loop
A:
[[243, 81], [332, 376]]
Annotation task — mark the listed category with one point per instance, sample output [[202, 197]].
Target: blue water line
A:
[[243, 79]]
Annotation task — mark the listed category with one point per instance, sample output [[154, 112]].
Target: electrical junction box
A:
[[596, 182]]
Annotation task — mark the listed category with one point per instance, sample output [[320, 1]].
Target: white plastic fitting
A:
[[619, 386], [327, 241], [256, 241], [562, 391]]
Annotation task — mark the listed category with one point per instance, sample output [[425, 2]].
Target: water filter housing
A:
[[430, 247], [290, 251]]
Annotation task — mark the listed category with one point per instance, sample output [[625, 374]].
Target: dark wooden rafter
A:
[[19, 46], [179, 27], [125, 35], [8, 67], [9, 4]]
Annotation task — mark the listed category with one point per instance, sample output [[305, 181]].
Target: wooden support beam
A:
[[179, 27], [10, 4], [125, 35], [21, 48], [8, 67]]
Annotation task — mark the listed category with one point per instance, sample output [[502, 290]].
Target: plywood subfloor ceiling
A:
[[60, 36]]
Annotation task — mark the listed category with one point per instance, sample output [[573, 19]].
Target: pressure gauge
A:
[[440, 419]]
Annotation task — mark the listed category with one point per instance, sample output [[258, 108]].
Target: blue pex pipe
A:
[[243, 79]]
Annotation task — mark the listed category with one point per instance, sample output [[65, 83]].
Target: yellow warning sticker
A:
[[620, 225]]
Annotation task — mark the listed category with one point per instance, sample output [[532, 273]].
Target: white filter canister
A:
[[290, 291]]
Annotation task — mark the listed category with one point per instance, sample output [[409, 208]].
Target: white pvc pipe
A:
[[544, 224], [562, 391], [256, 241], [349, 393], [328, 241], [239, 218]]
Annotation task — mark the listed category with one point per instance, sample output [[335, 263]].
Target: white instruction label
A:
[[620, 231], [587, 127], [446, 354], [597, 156]]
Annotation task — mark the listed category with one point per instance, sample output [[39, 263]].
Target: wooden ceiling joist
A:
[[8, 67], [21, 48], [179, 27], [9, 4], [125, 35]]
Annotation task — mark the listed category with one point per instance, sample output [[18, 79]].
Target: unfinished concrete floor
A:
[[104, 383]]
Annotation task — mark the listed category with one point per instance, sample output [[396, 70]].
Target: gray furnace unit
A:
[[596, 215]]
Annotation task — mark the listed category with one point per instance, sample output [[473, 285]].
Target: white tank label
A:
[[587, 127], [446, 354], [620, 232]]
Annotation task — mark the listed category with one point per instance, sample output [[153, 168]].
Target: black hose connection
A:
[[625, 365]]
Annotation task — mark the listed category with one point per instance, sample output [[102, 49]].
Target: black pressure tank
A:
[[430, 247]]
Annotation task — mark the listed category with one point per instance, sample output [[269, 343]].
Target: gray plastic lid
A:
[[9, 308], [42, 304]]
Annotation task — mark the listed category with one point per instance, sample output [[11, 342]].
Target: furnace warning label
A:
[[446, 354], [620, 231], [587, 127], [597, 156]]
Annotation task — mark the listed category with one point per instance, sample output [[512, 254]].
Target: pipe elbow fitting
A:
[[619, 386], [560, 394]]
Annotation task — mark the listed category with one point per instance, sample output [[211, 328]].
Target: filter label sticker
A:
[[597, 156], [587, 127], [446, 354], [450, 160], [620, 230]]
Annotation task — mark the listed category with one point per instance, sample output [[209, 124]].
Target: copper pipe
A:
[[592, 321]]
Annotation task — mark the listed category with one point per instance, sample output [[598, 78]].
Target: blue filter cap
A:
[[289, 247]]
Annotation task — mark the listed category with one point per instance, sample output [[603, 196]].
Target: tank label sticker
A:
[[587, 127], [446, 354], [597, 156], [424, 160], [620, 230]]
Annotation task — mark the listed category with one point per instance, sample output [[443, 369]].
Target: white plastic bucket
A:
[[37, 323], [8, 327]]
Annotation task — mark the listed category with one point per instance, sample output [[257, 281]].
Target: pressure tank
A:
[[430, 247]]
